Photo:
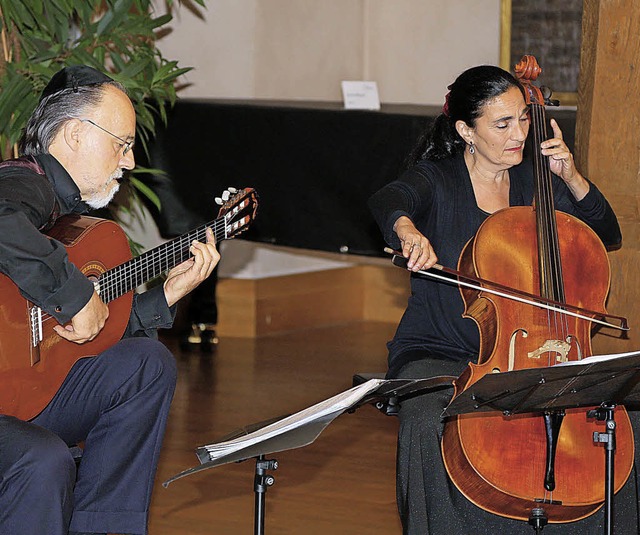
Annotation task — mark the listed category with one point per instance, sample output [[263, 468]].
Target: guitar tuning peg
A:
[[226, 195], [219, 201], [232, 190]]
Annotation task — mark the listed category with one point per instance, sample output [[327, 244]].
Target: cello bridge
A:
[[560, 347]]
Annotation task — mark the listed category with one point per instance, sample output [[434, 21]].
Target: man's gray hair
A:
[[54, 111]]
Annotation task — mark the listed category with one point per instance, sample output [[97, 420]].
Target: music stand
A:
[[297, 430], [602, 382]]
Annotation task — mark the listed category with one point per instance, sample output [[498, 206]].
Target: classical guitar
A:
[[34, 360]]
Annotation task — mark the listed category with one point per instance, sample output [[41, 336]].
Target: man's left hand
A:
[[186, 276]]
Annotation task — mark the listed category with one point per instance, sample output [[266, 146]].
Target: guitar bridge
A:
[[36, 325], [35, 314]]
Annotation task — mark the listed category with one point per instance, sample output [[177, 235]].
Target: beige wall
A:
[[302, 49], [219, 45]]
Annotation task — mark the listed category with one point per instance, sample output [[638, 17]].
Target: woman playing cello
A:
[[468, 166]]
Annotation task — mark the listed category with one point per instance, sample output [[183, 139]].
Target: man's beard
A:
[[102, 198]]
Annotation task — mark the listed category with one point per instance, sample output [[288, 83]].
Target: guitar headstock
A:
[[238, 209]]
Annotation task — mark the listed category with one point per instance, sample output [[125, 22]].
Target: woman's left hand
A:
[[562, 164]]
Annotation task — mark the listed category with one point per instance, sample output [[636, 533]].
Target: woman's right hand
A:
[[415, 247]]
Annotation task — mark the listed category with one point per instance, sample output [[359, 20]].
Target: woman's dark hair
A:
[[467, 96]]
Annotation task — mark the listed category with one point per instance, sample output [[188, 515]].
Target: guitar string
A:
[[113, 282], [131, 274]]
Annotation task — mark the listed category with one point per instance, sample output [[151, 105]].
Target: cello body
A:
[[499, 462]]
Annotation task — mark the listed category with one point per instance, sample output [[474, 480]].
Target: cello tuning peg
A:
[[546, 94]]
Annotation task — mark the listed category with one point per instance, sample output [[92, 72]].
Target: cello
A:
[[511, 465]]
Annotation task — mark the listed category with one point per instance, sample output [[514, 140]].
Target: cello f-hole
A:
[[512, 347]]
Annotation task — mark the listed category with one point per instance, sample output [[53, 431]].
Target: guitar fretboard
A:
[[127, 276]]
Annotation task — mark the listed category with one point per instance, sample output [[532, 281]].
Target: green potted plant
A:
[[39, 37]]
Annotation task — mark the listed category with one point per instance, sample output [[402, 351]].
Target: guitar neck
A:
[[128, 276]]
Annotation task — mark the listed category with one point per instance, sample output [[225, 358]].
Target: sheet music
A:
[[599, 358], [334, 405]]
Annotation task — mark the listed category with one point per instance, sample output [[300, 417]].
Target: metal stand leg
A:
[[606, 414], [262, 482]]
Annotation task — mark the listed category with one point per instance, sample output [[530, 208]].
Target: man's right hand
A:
[[87, 323]]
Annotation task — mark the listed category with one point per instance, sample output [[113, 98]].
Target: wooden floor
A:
[[343, 483]]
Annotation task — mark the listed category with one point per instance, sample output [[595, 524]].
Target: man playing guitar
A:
[[75, 148]]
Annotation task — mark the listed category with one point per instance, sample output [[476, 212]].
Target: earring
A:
[[472, 149]]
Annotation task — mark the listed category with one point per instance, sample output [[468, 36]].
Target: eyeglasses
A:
[[126, 145]]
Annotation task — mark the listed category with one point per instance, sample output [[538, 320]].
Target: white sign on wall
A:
[[360, 95]]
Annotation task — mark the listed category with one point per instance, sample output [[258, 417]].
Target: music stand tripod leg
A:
[[262, 481], [606, 413]]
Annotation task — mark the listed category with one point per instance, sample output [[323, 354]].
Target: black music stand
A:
[[602, 382], [300, 429]]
